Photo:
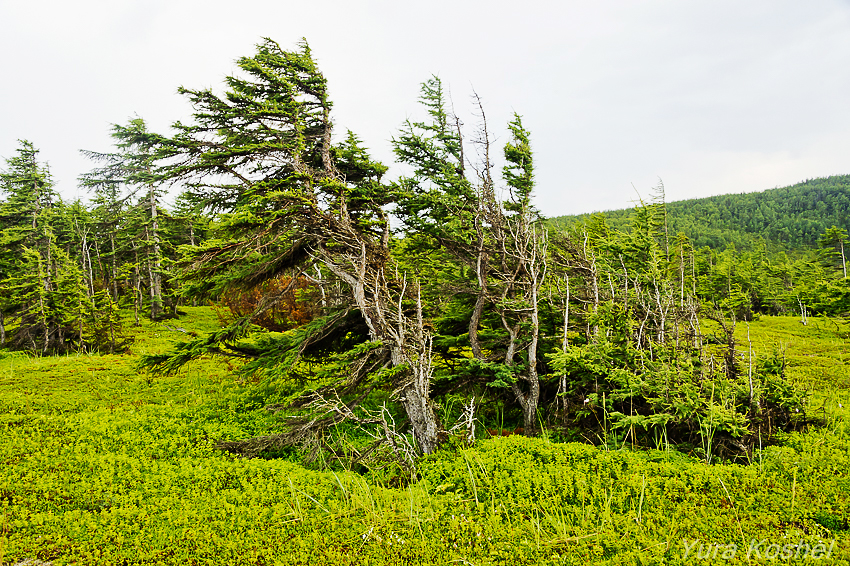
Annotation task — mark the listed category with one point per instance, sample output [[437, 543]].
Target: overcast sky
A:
[[711, 97]]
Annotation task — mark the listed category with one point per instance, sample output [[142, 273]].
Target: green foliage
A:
[[599, 332], [625, 507], [103, 466], [646, 369], [793, 216], [133, 238], [289, 208], [690, 402], [519, 171], [47, 293]]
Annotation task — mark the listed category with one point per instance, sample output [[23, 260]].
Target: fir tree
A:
[[127, 175], [262, 158]]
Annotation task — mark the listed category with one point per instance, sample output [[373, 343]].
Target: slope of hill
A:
[[792, 216]]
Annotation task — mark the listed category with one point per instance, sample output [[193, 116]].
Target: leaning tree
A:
[[289, 200]]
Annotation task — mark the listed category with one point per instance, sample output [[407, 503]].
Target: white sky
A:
[[712, 97]]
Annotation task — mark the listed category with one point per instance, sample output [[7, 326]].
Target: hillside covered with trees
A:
[[789, 217]]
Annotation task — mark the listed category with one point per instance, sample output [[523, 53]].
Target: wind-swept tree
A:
[[523, 245], [288, 199], [490, 281]]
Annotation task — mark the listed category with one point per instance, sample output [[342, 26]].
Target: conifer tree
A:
[[262, 157], [832, 242], [127, 176], [27, 249], [525, 242]]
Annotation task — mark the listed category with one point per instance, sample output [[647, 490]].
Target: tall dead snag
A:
[[290, 199]]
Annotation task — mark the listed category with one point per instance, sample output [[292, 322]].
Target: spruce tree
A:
[[289, 200], [27, 244], [127, 176]]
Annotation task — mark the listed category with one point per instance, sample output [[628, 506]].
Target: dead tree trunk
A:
[[408, 342], [481, 268], [155, 261]]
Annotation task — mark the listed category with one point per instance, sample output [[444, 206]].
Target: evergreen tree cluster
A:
[[67, 268], [435, 299], [790, 218]]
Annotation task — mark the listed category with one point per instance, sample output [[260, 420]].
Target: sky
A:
[[709, 97]]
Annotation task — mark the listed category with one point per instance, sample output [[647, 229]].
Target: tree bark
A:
[[155, 264], [408, 342], [481, 275], [114, 268], [137, 291]]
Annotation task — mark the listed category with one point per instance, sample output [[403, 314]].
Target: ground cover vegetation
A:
[[368, 334], [104, 465]]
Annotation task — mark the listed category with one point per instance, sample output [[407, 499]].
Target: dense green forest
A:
[[789, 218], [770, 252], [388, 321]]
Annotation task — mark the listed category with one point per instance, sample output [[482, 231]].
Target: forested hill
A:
[[794, 216]]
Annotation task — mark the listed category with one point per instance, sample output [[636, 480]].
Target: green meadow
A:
[[102, 464]]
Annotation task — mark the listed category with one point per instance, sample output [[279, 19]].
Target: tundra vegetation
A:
[[303, 360]]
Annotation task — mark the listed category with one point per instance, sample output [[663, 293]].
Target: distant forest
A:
[[791, 217]]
